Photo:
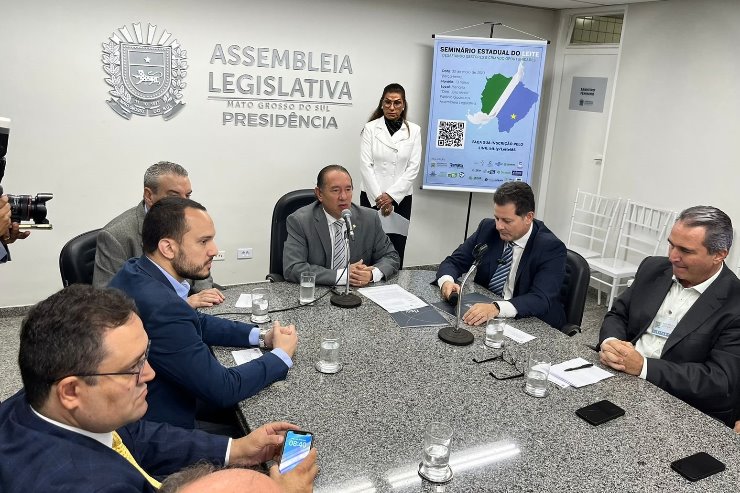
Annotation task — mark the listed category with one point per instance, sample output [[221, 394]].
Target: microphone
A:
[[347, 216], [479, 252]]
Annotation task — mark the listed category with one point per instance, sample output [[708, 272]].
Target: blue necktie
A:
[[498, 280]]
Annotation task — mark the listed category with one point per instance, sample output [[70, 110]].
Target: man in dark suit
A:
[[524, 264], [120, 239], [316, 232], [178, 239], [76, 424], [678, 325]]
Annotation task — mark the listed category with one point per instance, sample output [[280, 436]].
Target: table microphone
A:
[[347, 216]]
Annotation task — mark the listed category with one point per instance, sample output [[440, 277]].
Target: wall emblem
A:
[[146, 77]]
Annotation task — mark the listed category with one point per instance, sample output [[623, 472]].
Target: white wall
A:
[[65, 139], [674, 139]]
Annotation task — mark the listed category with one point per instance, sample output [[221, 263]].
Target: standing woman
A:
[[390, 157]]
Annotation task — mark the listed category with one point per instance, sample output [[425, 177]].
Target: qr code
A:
[[451, 133]]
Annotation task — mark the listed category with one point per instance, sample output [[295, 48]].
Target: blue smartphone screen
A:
[[296, 447]]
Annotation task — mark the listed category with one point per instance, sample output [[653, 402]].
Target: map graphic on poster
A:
[[483, 112]]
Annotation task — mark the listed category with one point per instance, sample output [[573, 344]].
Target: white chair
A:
[[591, 223], [641, 234]]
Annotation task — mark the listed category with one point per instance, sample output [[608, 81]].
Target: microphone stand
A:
[[346, 299], [458, 336]]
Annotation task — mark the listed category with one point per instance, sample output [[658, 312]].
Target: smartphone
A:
[[697, 466], [600, 412], [296, 447]]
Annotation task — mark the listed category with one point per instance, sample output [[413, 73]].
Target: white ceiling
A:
[[564, 4]]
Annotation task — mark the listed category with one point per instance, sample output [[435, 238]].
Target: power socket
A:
[[221, 255], [242, 253]]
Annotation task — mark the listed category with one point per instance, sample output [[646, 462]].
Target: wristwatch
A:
[[263, 334], [497, 307]]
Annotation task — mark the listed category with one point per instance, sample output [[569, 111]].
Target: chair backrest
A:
[[643, 231], [575, 287], [285, 206], [77, 259], [591, 223]]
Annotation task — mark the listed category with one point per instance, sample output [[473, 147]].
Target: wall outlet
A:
[[221, 255], [242, 253]]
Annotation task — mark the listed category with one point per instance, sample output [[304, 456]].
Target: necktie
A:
[[498, 280], [340, 256], [119, 447]]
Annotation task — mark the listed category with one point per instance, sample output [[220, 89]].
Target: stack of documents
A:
[[581, 377], [406, 309]]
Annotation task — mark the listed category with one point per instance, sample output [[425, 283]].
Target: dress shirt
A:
[[506, 309], [341, 274], [183, 288], [675, 305]]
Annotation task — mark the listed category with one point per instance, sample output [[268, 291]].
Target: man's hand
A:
[[4, 218], [479, 313], [205, 298], [622, 356], [448, 288], [301, 478], [283, 337], [737, 426], [261, 445], [360, 274], [15, 233]]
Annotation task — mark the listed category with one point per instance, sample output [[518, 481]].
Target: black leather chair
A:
[[285, 206], [77, 259], [574, 290]]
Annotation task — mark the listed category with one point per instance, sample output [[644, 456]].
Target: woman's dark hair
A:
[[396, 88]]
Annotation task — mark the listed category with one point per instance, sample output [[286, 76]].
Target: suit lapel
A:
[[524, 259], [322, 230]]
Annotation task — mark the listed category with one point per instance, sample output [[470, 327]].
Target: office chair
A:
[[285, 206], [574, 290], [77, 259]]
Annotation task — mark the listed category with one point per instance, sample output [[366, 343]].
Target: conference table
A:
[[368, 420]]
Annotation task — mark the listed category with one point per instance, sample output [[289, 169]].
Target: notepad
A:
[[579, 378]]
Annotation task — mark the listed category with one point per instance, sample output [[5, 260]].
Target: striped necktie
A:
[[340, 255], [119, 447], [498, 280]]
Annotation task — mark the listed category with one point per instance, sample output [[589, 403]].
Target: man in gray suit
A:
[[120, 239], [316, 231]]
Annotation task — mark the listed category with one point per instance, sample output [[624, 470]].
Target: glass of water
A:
[[436, 456], [308, 288], [537, 373], [329, 353], [495, 332], [260, 305]]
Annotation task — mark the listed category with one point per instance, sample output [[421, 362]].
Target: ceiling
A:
[[564, 4]]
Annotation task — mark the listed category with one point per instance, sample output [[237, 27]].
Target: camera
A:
[[22, 207]]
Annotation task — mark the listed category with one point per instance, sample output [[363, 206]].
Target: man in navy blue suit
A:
[[76, 424], [525, 262], [178, 240]]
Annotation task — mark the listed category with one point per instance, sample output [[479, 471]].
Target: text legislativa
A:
[[271, 85]]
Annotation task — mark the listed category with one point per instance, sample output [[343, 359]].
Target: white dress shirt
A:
[[341, 273]]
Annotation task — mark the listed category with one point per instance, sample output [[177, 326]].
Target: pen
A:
[[587, 365]]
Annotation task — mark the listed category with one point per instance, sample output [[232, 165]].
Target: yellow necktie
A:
[[119, 447]]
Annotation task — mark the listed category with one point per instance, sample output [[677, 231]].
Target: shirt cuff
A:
[[341, 277], [443, 280], [643, 372], [254, 337], [377, 275], [506, 309], [228, 453], [283, 356]]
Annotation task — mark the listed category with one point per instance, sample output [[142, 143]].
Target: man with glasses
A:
[[76, 425], [316, 234], [193, 388]]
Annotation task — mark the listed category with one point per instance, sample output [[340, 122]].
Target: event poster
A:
[[485, 100]]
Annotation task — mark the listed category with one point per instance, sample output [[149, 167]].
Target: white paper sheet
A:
[[245, 355], [392, 298], [579, 378], [394, 223], [244, 301], [517, 335]]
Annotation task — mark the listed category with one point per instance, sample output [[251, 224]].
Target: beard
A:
[[188, 270]]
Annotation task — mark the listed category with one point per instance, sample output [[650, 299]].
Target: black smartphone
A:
[[600, 412], [296, 447], [698, 466]]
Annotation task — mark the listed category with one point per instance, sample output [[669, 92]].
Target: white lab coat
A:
[[389, 163]]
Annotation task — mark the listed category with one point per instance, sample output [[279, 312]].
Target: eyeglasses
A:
[[507, 358], [387, 103], [138, 369]]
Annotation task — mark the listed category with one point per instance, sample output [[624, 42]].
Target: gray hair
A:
[[175, 482], [717, 224], [155, 171]]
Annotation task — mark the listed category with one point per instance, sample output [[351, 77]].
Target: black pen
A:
[[587, 365]]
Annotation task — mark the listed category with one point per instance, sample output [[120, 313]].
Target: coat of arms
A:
[[146, 77]]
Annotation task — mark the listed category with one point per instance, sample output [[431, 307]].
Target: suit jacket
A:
[[38, 456], [539, 277], [700, 363], [120, 240], [186, 368], [390, 163], [308, 246]]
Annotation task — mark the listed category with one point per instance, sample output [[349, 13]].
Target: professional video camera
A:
[[22, 207]]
